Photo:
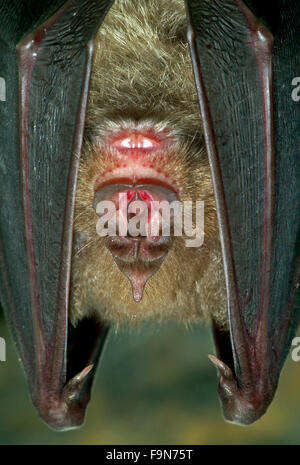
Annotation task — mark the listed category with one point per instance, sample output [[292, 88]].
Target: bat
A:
[[153, 101]]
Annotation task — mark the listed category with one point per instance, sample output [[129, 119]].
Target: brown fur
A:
[[142, 72]]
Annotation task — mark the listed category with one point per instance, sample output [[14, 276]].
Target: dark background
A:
[[154, 386]]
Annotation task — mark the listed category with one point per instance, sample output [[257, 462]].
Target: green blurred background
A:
[[154, 386]]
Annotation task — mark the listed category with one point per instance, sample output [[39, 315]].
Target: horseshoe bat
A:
[[157, 100]]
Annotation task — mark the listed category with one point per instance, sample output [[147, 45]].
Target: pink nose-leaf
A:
[[140, 255]]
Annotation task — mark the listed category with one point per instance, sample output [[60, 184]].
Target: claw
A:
[[224, 370], [73, 387]]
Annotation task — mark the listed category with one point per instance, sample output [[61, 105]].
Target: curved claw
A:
[[224, 370], [242, 405], [68, 411]]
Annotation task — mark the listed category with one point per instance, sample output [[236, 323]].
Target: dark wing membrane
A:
[[46, 52], [244, 59]]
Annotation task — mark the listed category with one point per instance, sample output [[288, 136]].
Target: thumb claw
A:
[[72, 388], [224, 370]]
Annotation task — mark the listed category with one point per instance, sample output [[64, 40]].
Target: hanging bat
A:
[[102, 99]]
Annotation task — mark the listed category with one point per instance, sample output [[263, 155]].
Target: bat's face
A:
[[143, 142]]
